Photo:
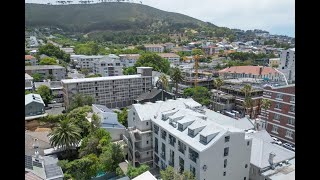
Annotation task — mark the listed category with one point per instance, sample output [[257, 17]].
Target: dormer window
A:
[[180, 127], [191, 132], [203, 139]]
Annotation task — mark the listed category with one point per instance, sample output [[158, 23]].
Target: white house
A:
[[171, 57], [181, 133]]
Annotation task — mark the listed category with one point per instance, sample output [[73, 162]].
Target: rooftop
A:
[[42, 142], [168, 55], [51, 84], [42, 67], [145, 176], [153, 45], [254, 70], [102, 108], [27, 77], [28, 57], [33, 98], [284, 172], [187, 112], [69, 81]]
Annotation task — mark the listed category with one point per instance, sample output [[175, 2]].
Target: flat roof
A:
[[40, 67], [108, 78]]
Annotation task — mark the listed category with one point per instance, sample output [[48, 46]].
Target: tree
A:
[[199, 94], [37, 77], [248, 102], [27, 92], [265, 104], [171, 174], [84, 71], [197, 52], [85, 168], [123, 116], [53, 51], [164, 81], [134, 172], [95, 122], [153, 60], [176, 77], [78, 117], [80, 100], [48, 61], [218, 82], [45, 93], [111, 156], [66, 135], [129, 71], [93, 75]]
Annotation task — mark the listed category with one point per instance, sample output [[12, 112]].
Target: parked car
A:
[[289, 146], [277, 141]]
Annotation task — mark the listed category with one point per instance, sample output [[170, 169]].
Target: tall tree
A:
[[45, 93], [176, 77], [48, 61], [80, 100], [265, 104], [248, 102], [78, 117], [153, 60], [171, 174], [85, 168], [123, 116], [111, 156], [37, 77], [136, 171], [66, 135], [164, 84]]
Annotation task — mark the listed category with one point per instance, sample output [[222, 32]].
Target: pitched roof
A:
[[149, 95], [31, 176], [254, 70], [28, 57], [33, 98], [168, 55], [43, 142]]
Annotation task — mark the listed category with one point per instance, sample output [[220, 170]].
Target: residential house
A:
[[181, 133], [39, 140], [30, 60], [168, 46], [112, 91], [128, 60], [85, 62], [34, 105], [157, 48], [56, 72], [28, 81], [274, 62], [55, 89], [171, 57]]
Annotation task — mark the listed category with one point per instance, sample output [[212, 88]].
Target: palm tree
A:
[[248, 102], [66, 135], [164, 83], [218, 83], [265, 104], [176, 77]]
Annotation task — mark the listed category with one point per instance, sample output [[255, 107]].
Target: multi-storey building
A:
[[157, 48], [57, 72], [171, 57], [113, 91], [107, 67], [128, 60], [287, 64], [258, 72], [279, 119], [55, 89], [30, 60], [85, 62], [182, 134]]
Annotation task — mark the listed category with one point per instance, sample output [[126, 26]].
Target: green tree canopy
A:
[[197, 52], [171, 174], [153, 60], [199, 94], [80, 100], [123, 116], [78, 117], [129, 70], [111, 156], [134, 172], [85, 168], [53, 51], [45, 93], [176, 77], [37, 77], [48, 61]]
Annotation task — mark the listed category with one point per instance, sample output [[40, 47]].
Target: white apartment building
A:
[[182, 134], [107, 67], [113, 91], [171, 57], [57, 72], [128, 60], [287, 64], [85, 62], [157, 48]]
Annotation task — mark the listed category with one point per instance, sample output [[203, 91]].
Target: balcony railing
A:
[[144, 160], [143, 149]]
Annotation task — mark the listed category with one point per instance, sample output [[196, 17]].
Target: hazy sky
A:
[[275, 16]]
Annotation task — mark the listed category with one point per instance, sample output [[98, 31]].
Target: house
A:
[[258, 72], [168, 46], [107, 66], [36, 139], [42, 168], [128, 60], [30, 60], [182, 134], [28, 82], [55, 89], [157, 48], [109, 121], [171, 57], [85, 62], [274, 62], [270, 161], [112, 91], [154, 95], [34, 106], [57, 72]]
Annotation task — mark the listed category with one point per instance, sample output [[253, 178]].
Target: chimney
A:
[[271, 156]]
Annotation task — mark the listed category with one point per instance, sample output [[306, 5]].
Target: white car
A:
[[277, 141]]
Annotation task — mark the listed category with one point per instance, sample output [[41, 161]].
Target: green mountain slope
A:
[[107, 16]]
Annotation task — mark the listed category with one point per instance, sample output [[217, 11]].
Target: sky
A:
[[275, 16]]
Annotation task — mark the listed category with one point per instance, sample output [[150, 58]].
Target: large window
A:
[[289, 134], [163, 134], [227, 139], [181, 147], [279, 96], [276, 116], [193, 155], [291, 121], [293, 98], [292, 108], [172, 140], [225, 163], [156, 129], [226, 151], [275, 129], [278, 105]]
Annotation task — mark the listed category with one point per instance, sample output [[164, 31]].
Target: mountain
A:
[[108, 16]]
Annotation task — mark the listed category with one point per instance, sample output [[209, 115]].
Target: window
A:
[[245, 178], [279, 96], [163, 134], [180, 127], [227, 139], [245, 166], [193, 170], [224, 173], [203, 139], [278, 105], [248, 143], [225, 163], [147, 123], [190, 132], [289, 134], [293, 98], [275, 129], [276, 116], [291, 121], [134, 113], [147, 152], [155, 129], [147, 142], [226, 151], [292, 108], [133, 119]]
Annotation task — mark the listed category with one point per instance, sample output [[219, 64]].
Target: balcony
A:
[[145, 149], [144, 160]]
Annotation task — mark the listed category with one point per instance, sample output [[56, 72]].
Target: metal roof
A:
[[29, 98]]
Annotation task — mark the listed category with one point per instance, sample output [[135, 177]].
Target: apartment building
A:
[[258, 72], [113, 91], [30, 60], [171, 57], [287, 64], [184, 135], [107, 67], [55, 89], [274, 62], [157, 48], [57, 72], [128, 60], [85, 62], [279, 119]]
